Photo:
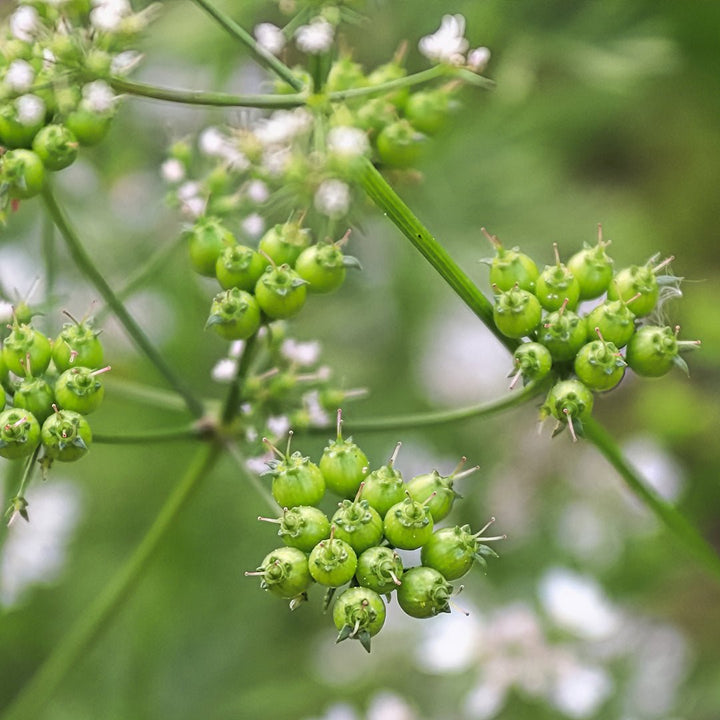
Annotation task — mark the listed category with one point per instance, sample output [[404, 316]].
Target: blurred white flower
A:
[[447, 44], [257, 191], [30, 109], [317, 415], [6, 311], [224, 370], [98, 96], [212, 142], [236, 348], [20, 75], [25, 23], [270, 37], [302, 353], [347, 141], [259, 465], [275, 160], [172, 171], [577, 604], [315, 38], [661, 471], [253, 225], [386, 705], [191, 202], [282, 126], [579, 690], [125, 61], [278, 425], [478, 59], [332, 198], [35, 552]]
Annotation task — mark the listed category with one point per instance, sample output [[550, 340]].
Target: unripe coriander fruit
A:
[[3, 398], [284, 572], [599, 365], [570, 402], [322, 266], [640, 285], [332, 562], [234, 314], [56, 146], [343, 464], [424, 592], [296, 481], [88, 126], [408, 524], [532, 361], [563, 333], [556, 284], [384, 487], [24, 172], [358, 524], [593, 269], [614, 320], [79, 389], [428, 110], [359, 613], [380, 569], [516, 312], [453, 550], [66, 436], [239, 266], [26, 351], [280, 292], [653, 350], [34, 394], [436, 491], [302, 527], [511, 267], [284, 243], [206, 241], [399, 144], [77, 345], [19, 433]]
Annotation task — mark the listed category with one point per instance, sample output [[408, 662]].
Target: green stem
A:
[[186, 432], [199, 97], [436, 417], [253, 479], [76, 643], [233, 397], [664, 511], [89, 269], [148, 395], [147, 270], [261, 54], [417, 78], [392, 205], [48, 243]]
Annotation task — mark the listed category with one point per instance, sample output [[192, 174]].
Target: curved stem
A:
[[149, 395], [392, 205], [186, 432], [199, 97], [75, 644], [253, 479], [436, 417], [261, 54], [694, 542], [233, 397], [88, 268]]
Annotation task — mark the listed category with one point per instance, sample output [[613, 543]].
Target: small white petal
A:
[[98, 97], [125, 61], [478, 58], [447, 42], [302, 353], [315, 38], [348, 141], [172, 171], [30, 109], [25, 23], [253, 225], [332, 198], [278, 425], [270, 37], [257, 191], [224, 370], [20, 75]]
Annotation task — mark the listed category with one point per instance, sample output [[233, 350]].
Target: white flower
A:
[[276, 160], [20, 75], [30, 109], [577, 604], [278, 425], [389, 706], [270, 37], [35, 552], [253, 225], [191, 202], [257, 191], [6, 311], [224, 370], [106, 19], [188, 190], [125, 61], [259, 465], [478, 58], [24, 23], [302, 353], [172, 171], [236, 348], [212, 142], [332, 198], [48, 58], [579, 690], [98, 97], [348, 141], [447, 43], [315, 38], [282, 126], [317, 415]]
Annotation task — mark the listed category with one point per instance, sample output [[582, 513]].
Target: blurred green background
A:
[[603, 113]]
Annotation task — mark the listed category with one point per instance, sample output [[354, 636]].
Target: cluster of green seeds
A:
[[49, 388], [583, 353], [266, 283], [356, 548]]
